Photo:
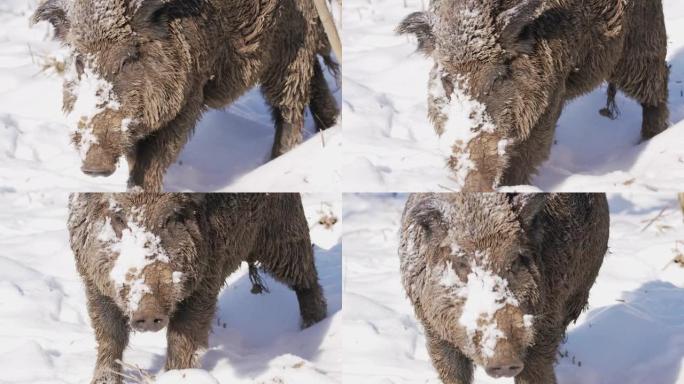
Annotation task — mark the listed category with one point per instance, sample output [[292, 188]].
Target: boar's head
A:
[[469, 260], [127, 74], [145, 251], [484, 85]]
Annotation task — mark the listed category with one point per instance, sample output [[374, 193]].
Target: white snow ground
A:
[[632, 333], [228, 152], [45, 333], [390, 146]]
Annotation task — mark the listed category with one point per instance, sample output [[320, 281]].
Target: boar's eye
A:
[[178, 216], [119, 224], [80, 66], [523, 261], [131, 58]]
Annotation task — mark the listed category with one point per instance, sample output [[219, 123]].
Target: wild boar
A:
[[140, 73], [150, 261], [495, 279], [504, 69]]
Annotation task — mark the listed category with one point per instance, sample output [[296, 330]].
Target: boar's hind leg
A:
[[188, 332], [286, 88], [452, 365], [322, 104], [642, 72], [285, 252], [111, 333], [292, 263]]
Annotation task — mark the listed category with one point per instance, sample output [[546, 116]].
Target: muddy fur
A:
[[524, 60], [168, 61], [548, 248], [206, 238]]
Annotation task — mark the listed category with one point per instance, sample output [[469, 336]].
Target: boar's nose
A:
[[504, 368], [97, 169], [149, 321], [99, 162]]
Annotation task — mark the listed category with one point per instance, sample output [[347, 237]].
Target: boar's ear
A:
[[527, 206], [515, 23], [154, 15], [53, 11], [419, 24]]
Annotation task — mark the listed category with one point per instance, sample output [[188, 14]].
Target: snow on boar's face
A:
[[148, 249], [471, 265], [475, 96], [126, 73]]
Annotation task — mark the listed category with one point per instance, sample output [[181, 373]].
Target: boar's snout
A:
[[150, 317], [99, 162], [504, 367]]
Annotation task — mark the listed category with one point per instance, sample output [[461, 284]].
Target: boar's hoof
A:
[[312, 305]]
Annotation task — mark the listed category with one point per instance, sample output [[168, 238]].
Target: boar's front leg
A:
[[287, 90], [188, 331], [153, 155], [452, 365], [111, 334], [526, 154], [541, 357], [538, 369]]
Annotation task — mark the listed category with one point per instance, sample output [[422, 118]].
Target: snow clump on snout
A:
[[87, 95], [136, 249], [458, 118], [481, 297]]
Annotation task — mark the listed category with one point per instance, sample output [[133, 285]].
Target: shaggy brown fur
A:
[[190, 244], [165, 62], [542, 251], [523, 60]]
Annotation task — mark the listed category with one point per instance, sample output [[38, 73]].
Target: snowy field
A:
[[229, 151], [632, 333], [390, 145], [45, 333]]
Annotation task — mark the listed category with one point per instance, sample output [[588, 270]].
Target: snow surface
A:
[[390, 145], [45, 332], [190, 376], [228, 152], [632, 333]]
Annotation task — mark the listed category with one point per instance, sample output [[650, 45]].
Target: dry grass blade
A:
[[139, 376], [650, 222]]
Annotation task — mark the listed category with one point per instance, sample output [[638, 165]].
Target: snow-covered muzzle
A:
[[142, 270], [100, 126], [482, 313], [462, 124]]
